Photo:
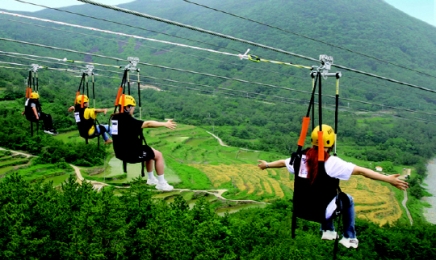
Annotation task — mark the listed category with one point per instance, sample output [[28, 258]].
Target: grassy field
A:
[[19, 164], [194, 160]]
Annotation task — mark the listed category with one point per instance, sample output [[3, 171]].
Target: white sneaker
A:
[[152, 181], [349, 242], [329, 235], [164, 186], [50, 132]]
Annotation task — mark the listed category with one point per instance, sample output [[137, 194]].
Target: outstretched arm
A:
[[153, 124], [276, 164], [391, 179], [101, 110]]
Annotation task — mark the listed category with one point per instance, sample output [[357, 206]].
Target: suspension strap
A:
[[305, 124], [126, 81], [338, 75], [320, 133], [139, 97]]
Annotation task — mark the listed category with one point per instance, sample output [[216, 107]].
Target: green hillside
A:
[[254, 107]]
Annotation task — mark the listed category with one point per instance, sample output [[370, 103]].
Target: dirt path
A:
[[95, 184], [16, 152], [223, 144], [219, 193], [407, 210], [219, 139]]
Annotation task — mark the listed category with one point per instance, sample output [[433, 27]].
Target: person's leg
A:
[[159, 166], [47, 121], [159, 163], [151, 180], [98, 131], [348, 214], [103, 130], [328, 230], [348, 219], [327, 225]]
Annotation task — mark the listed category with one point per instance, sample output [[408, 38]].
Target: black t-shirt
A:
[[126, 134]]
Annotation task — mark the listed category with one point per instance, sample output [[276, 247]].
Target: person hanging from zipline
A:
[[33, 113], [321, 188], [86, 119], [129, 138]]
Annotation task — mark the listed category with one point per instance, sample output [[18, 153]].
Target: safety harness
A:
[[127, 147], [32, 86], [311, 198], [79, 110]]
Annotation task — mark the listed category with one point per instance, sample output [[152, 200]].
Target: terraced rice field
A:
[[195, 159], [12, 163]]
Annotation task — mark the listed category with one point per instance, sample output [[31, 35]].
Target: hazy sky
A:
[[17, 6], [424, 10]]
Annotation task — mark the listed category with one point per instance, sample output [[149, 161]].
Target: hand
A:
[[170, 124], [71, 109], [397, 183], [262, 164], [105, 111]]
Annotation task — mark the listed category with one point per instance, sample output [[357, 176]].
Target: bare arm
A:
[[153, 124], [71, 109], [391, 179], [100, 110], [276, 164], [35, 112]]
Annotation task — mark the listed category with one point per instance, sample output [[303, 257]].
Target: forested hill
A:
[[370, 27], [370, 36]]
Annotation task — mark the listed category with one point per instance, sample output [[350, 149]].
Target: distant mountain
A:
[[371, 27]]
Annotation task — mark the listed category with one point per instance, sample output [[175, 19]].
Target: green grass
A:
[[182, 148]]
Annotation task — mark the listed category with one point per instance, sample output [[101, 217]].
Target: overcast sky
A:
[[424, 10]]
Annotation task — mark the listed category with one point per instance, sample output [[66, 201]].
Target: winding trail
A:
[[16, 152], [219, 193], [219, 139], [95, 184], [405, 207], [223, 144]]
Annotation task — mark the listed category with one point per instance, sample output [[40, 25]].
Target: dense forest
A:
[[250, 105], [40, 222]]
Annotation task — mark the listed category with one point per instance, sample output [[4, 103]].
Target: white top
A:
[[335, 167]]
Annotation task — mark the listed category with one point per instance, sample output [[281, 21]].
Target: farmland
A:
[[194, 160]]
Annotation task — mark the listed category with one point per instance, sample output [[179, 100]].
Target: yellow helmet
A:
[[79, 99], [128, 101], [328, 136], [34, 95]]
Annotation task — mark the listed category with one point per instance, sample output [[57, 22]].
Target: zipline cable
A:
[[123, 24], [246, 41], [210, 75], [118, 33], [198, 48], [310, 38], [146, 46]]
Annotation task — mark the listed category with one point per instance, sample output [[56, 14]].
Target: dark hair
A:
[[312, 162]]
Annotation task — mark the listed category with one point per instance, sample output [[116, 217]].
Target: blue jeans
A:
[[348, 215], [104, 131]]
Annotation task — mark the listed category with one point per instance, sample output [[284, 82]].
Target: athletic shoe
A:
[[329, 235], [349, 242], [50, 132], [152, 181], [109, 141], [164, 186]]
